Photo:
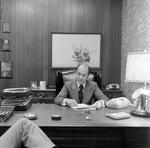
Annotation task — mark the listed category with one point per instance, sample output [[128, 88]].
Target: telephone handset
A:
[[113, 86]]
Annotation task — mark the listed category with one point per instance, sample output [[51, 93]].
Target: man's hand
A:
[[97, 104], [71, 102]]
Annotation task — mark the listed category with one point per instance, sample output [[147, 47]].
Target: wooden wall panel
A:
[[32, 22], [28, 41], [6, 56], [38, 39], [19, 74]]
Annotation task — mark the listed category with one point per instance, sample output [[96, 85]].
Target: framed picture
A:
[[6, 27], [5, 45], [5, 70], [71, 49]]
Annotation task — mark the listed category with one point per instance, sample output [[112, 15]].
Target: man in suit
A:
[[26, 132], [81, 90]]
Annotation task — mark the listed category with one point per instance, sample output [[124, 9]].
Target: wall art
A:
[[5, 43], [5, 69], [6, 27], [71, 49]]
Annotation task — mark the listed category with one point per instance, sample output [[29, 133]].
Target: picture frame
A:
[[5, 45], [6, 27], [6, 70], [71, 49]]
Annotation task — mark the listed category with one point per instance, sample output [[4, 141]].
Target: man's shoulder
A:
[[69, 82], [91, 82]]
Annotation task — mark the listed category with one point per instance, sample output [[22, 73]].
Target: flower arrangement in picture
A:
[[81, 54]]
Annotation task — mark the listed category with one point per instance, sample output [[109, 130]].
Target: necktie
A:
[[80, 93]]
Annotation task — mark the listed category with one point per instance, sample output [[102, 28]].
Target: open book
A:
[[84, 107]]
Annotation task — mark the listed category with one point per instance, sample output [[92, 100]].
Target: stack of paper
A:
[[16, 96], [16, 101], [5, 112]]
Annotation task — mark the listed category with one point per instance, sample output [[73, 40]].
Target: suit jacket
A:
[[70, 90]]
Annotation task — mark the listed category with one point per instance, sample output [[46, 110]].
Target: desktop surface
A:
[[74, 131], [74, 118]]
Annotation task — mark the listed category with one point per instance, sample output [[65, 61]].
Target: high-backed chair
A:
[[63, 76]]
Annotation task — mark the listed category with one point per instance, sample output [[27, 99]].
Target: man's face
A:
[[82, 74]]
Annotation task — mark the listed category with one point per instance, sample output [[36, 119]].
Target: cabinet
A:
[[113, 93], [48, 95], [43, 95]]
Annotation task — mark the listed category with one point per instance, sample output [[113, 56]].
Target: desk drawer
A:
[[85, 137], [43, 96]]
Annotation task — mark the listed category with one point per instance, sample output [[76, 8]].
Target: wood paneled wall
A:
[[32, 22]]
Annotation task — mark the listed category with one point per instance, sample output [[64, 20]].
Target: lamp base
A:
[[141, 113]]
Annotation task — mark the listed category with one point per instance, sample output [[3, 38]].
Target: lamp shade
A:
[[138, 67]]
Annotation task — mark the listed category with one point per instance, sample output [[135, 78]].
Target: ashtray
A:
[[30, 116]]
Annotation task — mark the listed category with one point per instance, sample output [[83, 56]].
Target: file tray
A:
[[6, 112], [16, 92]]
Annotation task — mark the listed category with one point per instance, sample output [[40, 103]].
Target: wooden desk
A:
[[75, 132]]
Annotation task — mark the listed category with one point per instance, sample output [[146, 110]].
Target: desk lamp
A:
[[138, 70]]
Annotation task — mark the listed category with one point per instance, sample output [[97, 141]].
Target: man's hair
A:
[[84, 65]]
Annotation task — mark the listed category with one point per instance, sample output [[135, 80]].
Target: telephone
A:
[[113, 86], [118, 103]]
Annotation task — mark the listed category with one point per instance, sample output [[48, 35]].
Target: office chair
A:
[[63, 76]]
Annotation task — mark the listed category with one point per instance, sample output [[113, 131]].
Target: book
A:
[[118, 115]]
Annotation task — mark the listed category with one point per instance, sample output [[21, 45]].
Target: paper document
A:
[[84, 106]]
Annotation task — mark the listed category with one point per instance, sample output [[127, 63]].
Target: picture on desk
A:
[[6, 70]]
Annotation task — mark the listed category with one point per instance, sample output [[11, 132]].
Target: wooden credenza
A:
[[48, 95], [113, 93], [73, 131], [43, 95]]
